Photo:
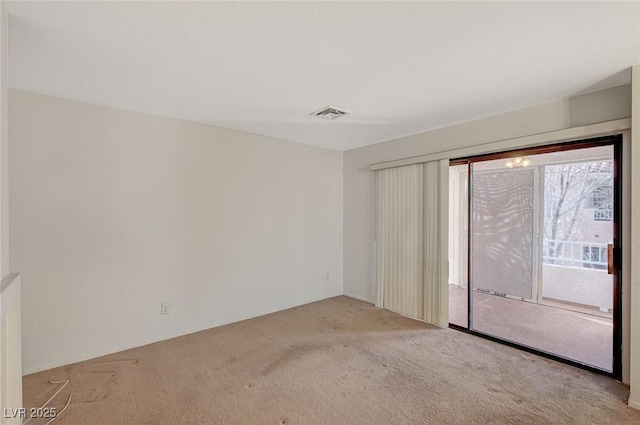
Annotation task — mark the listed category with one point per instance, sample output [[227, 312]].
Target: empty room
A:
[[319, 212]]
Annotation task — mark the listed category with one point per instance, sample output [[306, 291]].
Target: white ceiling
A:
[[262, 67]]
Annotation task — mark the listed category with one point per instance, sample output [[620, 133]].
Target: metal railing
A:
[[603, 214], [588, 255]]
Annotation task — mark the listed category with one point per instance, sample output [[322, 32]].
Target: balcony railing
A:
[[588, 255]]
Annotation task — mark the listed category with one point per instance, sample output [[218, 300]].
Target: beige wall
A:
[[115, 212], [577, 111]]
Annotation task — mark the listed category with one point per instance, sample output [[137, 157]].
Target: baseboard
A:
[[113, 350], [634, 404], [358, 297]]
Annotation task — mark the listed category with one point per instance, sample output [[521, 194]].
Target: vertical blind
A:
[[399, 239], [411, 207]]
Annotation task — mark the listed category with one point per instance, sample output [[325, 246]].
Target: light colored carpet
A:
[[586, 338], [337, 361]]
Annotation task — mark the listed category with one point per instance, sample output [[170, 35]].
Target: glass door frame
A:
[[616, 142]]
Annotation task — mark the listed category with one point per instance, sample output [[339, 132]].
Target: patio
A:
[[578, 333]]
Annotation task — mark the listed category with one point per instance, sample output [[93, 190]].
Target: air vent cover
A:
[[330, 113]]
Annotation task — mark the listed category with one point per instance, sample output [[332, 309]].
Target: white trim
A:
[[165, 337], [634, 236], [125, 347], [574, 133], [11, 342], [359, 298], [634, 405]]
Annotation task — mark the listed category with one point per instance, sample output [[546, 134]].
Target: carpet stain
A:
[[208, 371], [290, 354], [88, 396]]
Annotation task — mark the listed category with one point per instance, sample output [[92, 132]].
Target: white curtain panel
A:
[[411, 208], [436, 237], [399, 239]]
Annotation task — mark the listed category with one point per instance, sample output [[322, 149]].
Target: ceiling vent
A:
[[330, 113]]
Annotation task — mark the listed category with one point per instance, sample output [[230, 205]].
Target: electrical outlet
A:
[[164, 308]]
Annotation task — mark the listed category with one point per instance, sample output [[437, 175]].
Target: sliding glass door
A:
[[542, 234], [502, 223]]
